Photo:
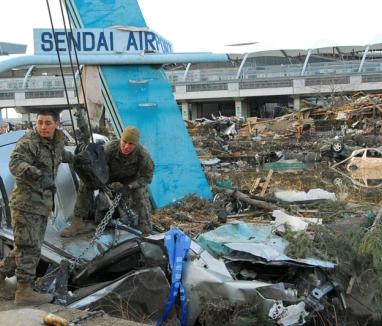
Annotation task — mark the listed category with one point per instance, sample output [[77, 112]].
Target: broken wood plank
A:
[[307, 211], [254, 202], [351, 284], [255, 185], [266, 184], [241, 215], [376, 220]]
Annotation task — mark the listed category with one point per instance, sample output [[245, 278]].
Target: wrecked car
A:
[[365, 158], [336, 150], [365, 166], [362, 167]]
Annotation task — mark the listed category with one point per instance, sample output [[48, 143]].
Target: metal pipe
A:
[[241, 65], [306, 62], [363, 59], [113, 59], [27, 76], [186, 72]]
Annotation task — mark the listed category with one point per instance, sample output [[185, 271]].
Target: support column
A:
[[185, 111], [241, 108], [26, 117], [194, 110], [296, 103], [1, 114]]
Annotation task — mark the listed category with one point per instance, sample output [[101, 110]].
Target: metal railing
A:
[[199, 80], [332, 80], [251, 72], [7, 96], [266, 84], [36, 82], [371, 78], [207, 87], [44, 94]]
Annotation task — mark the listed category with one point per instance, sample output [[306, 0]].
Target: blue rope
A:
[[177, 244]]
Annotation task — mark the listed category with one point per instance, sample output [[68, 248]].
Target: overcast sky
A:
[[208, 25]]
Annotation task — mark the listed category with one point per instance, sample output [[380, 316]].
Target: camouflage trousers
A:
[[28, 230], [138, 199]]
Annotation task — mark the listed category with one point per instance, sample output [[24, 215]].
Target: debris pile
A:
[[193, 215], [289, 238]]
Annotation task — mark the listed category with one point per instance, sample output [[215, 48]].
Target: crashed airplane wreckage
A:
[[129, 276]]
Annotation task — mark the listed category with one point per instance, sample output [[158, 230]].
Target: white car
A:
[[365, 165]]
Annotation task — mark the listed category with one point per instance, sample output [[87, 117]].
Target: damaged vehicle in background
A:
[[363, 167], [336, 150], [128, 276]]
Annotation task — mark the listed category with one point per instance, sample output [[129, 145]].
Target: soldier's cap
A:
[[130, 135]]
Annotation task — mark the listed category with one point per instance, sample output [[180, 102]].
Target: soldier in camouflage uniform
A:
[[130, 172], [34, 163]]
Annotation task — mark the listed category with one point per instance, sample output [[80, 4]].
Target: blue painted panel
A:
[[107, 13], [144, 98]]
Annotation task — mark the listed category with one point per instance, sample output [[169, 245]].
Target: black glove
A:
[[33, 173], [118, 187], [80, 148], [82, 159], [47, 183], [133, 185]]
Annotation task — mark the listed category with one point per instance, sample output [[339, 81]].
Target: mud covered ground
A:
[[33, 317]]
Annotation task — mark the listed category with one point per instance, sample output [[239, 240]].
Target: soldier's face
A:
[[46, 126], [126, 148]]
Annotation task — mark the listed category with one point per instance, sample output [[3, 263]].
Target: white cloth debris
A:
[[294, 222], [312, 194], [293, 315], [290, 315], [212, 161]]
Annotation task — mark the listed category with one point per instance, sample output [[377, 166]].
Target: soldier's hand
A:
[[81, 159], [34, 173], [80, 148], [47, 183], [117, 187], [133, 185]]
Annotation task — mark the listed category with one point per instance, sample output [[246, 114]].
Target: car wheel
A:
[[337, 147]]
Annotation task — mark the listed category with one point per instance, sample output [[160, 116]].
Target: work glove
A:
[[80, 148], [133, 185], [82, 159], [47, 182], [34, 173], [118, 187]]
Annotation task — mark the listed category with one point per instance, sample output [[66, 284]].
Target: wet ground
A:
[[27, 316]]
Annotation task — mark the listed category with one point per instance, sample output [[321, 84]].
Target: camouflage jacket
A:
[[33, 150], [135, 169]]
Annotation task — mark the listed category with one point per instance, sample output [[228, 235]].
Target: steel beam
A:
[[113, 59]]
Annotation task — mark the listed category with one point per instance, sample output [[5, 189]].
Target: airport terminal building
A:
[[256, 83]]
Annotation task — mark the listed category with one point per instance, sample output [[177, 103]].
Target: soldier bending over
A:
[[130, 172]]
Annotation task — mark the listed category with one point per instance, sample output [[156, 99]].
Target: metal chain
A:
[[116, 236], [89, 315], [130, 213], [98, 232], [46, 276]]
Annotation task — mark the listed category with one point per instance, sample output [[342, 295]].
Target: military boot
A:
[[25, 295], [77, 227], [7, 288]]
